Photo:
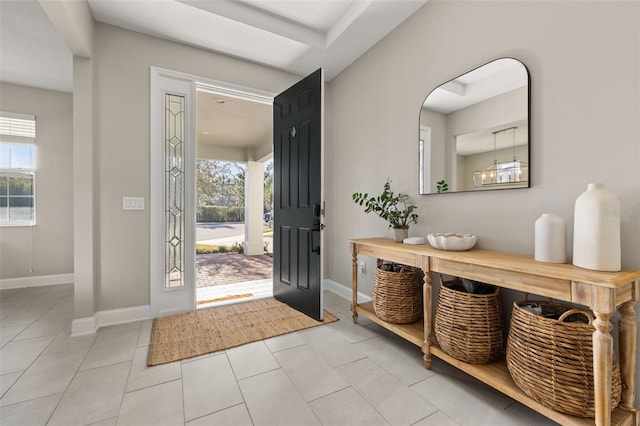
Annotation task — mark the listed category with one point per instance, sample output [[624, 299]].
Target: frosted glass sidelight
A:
[[596, 234], [174, 188]]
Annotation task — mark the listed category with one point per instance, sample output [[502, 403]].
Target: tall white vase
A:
[[551, 239], [596, 232]]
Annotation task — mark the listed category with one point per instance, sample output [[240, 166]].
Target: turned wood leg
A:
[[602, 363], [354, 282], [427, 301], [627, 329]]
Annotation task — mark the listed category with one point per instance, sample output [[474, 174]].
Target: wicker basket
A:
[[397, 293], [468, 326], [551, 360]]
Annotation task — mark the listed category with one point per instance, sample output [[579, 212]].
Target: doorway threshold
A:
[[219, 295]]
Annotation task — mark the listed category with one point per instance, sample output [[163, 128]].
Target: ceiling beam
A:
[[258, 18], [74, 21], [355, 10], [454, 87]]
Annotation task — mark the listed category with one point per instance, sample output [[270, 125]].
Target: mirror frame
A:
[[496, 129]]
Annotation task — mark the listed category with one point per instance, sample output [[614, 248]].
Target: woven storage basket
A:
[[397, 295], [551, 360], [468, 326]]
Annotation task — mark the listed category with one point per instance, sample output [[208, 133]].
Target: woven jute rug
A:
[[204, 331]]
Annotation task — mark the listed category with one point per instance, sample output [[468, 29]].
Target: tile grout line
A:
[[364, 398], [70, 381], [76, 375], [124, 391], [184, 411], [244, 400], [22, 372]]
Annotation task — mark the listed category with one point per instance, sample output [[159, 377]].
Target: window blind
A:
[[17, 128]]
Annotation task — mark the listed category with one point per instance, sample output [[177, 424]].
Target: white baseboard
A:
[[123, 315], [90, 325], [37, 281], [344, 291], [81, 326]]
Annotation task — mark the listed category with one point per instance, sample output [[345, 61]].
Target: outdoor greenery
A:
[[16, 184], [221, 214], [220, 188], [268, 186], [209, 249], [219, 183], [234, 248]]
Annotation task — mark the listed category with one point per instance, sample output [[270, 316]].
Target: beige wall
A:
[[52, 238], [583, 60], [122, 60], [584, 65]]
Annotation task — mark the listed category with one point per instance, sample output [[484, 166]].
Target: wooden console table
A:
[[602, 292]]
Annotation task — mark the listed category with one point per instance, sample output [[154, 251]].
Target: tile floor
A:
[[337, 374]]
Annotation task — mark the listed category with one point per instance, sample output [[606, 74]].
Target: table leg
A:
[[627, 329], [427, 295], [602, 366], [354, 282]]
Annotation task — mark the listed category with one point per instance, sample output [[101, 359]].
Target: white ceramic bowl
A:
[[452, 241]]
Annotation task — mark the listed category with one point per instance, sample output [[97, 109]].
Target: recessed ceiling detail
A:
[[298, 36]]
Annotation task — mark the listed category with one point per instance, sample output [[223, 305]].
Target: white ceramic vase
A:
[[551, 239], [596, 232]]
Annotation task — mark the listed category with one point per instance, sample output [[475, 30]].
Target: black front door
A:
[[297, 137]]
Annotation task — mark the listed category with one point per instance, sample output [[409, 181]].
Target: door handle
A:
[[317, 227]]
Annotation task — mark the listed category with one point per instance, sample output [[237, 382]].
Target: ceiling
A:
[[232, 129], [485, 82], [32, 52], [297, 36]]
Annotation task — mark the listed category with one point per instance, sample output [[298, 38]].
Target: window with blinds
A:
[[17, 169]]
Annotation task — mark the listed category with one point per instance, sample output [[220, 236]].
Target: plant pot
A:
[[399, 234]]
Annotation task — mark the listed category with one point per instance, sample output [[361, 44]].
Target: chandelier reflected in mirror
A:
[[514, 172]]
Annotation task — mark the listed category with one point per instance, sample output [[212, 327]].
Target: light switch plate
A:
[[132, 203]]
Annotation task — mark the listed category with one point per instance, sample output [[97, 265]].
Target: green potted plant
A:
[[442, 186], [395, 209]]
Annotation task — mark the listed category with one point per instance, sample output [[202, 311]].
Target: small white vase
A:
[[399, 234], [551, 239], [596, 232]]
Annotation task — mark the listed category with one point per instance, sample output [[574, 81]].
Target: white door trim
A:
[[165, 301], [171, 301]]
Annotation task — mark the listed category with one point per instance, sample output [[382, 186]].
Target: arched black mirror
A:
[[474, 131]]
